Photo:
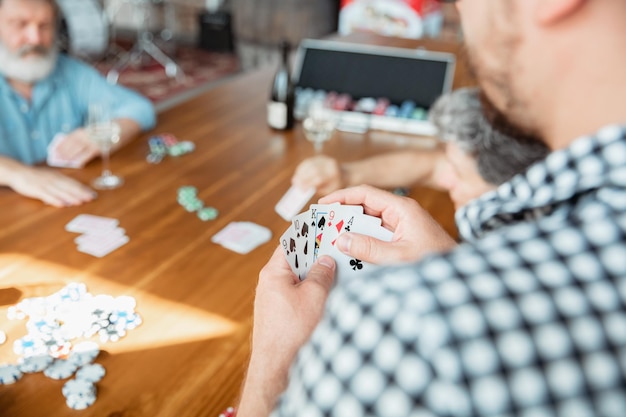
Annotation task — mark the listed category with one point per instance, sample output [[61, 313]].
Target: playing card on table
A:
[[293, 201], [100, 235], [242, 237], [102, 245], [85, 223]]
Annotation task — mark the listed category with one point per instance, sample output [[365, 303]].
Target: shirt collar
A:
[[564, 174]]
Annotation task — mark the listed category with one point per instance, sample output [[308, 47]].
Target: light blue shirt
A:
[[59, 105]]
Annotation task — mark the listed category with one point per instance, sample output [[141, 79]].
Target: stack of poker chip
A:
[[50, 346], [167, 144], [188, 198]]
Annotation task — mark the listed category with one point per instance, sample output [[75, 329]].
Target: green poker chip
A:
[[207, 213], [187, 190]]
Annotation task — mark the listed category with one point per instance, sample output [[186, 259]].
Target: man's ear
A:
[[548, 12]]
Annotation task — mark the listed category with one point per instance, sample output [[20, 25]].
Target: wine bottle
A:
[[281, 103]]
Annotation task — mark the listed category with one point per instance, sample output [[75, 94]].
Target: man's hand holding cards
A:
[[315, 232]]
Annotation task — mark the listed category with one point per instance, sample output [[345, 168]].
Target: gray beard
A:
[[14, 66]]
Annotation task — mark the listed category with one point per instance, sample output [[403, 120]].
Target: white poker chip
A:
[[29, 346], [83, 353], [79, 402], [93, 372], [9, 374], [78, 387], [60, 369], [3, 337], [31, 364]]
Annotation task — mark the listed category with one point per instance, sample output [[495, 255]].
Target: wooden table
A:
[[195, 297]]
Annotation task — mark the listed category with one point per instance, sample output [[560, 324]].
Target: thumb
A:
[[322, 273], [365, 248]]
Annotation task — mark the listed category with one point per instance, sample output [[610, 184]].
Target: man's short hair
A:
[[459, 118], [52, 3]]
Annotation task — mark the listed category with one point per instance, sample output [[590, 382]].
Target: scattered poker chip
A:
[[29, 346], [154, 158], [14, 313], [188, 198], [9, 374], [80, 387], [167, 144], [84, 353], [92, 372], [58, 348], [3, 337], [181, 148], [207, 213], [188, 190], [111, 333], [80, 402], [229, 412], [60, 369], [53, 322], [192, 205], [32, 364]]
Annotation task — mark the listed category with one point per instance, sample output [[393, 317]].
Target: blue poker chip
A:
[[92, 373], [83, 353], [9, 374], [32, 364], [79, 393], [60, 369], [78, 387], [80, 402]]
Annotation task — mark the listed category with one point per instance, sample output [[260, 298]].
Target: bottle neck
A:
[[285, 53]]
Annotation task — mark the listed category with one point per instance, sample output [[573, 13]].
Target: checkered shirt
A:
[[525, 318]]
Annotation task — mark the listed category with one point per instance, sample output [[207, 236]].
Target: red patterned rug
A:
[[200, 68]]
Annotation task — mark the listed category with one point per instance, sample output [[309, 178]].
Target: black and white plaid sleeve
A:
[[527, 319]]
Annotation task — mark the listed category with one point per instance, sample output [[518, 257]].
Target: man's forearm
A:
[[130, 130], [398, 169], [9, 168], [262, 386]]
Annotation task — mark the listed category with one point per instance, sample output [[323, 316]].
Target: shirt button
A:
[[34, 134], [24, 108]]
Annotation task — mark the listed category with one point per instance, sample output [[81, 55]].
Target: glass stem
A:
[[105, 152]]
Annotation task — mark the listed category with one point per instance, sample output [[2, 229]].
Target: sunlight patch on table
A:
[[164, 322]]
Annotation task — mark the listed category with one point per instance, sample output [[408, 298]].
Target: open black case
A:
[[362, 71]]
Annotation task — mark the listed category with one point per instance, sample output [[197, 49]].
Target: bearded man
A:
[[44, 93]]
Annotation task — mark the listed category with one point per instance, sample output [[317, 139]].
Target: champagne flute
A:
[[319, 124], [104, 132]]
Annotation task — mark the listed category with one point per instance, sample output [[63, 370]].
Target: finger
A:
[[306, 176], [277, 268], [52, 200], [372, 250], [320, 276], [71, 193], [373, 200]]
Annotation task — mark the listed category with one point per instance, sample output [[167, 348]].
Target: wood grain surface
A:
[[195, 297]]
